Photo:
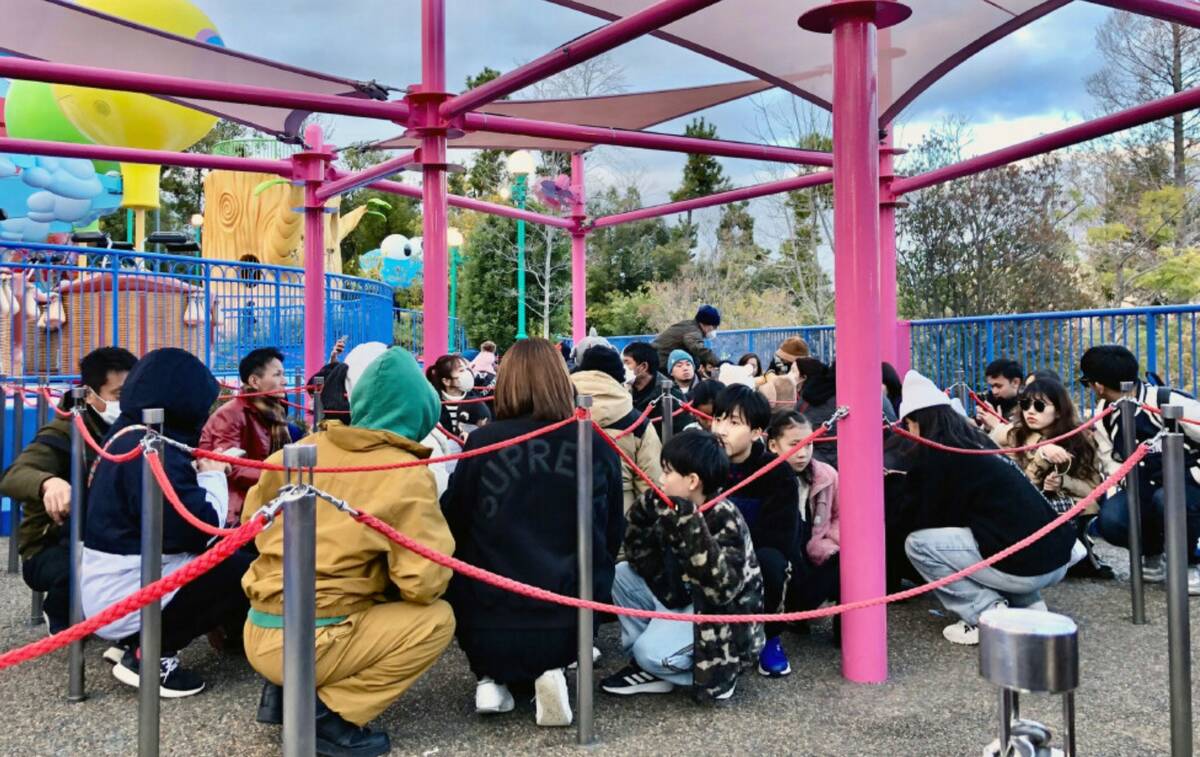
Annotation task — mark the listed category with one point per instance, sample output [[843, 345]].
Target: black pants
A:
[[795, 585], [49, 571], [1114, 520], [214, 600], [517, 655]]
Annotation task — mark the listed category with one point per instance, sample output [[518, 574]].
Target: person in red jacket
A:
[[255, 421]]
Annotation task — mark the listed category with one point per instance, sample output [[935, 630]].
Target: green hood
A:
[[393, 395]]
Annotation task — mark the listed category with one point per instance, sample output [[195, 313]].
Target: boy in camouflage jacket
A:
[[687, 561]]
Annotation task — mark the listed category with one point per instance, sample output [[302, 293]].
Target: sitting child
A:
[[818, 494], [704, 394], [690, 562]]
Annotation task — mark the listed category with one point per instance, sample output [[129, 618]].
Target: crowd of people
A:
[[770, 542]]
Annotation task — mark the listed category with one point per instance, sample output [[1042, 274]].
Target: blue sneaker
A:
[[772, 660]]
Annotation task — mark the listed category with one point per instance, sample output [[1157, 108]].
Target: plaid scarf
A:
[[275, 414]]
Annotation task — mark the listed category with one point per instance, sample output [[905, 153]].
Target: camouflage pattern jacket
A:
[[705, 560]]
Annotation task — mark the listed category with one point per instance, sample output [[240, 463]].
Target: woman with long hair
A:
[[513, 512], [968, 507], [1064, 472]]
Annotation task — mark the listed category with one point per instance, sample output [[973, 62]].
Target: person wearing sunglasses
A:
[[1064, 472], [1102, 369]]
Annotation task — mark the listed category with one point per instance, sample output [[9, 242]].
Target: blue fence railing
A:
[[58, 302], [408, 331]]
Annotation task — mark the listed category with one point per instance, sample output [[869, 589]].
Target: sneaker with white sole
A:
[[552, 705], [633, 680], [595, 657], [174, 682], [727, 693], [112, 655], [1154, 569], [962, 633], [1039, 605], [492, 698]]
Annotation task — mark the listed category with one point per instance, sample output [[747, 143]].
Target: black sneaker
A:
[[633, 680], [270, 704], [174, 681], [337, 737]]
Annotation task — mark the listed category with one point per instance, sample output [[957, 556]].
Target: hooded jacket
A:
[[824, 518], [356, 566], [612, 409], [686, 336], [705, 560], [513, 512]]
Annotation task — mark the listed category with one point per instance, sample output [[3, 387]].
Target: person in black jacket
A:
[[770, 505], [513, 512], [969, 507], [646, 384], [178, 383]]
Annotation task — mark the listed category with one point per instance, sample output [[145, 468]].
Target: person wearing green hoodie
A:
[[381, 622]]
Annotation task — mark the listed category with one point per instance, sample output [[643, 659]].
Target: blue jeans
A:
[[1113, 523], [940, 552], [662, 648]]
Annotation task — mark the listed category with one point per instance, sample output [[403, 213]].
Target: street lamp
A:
[[454, 239], [520, 166], [196, 222]]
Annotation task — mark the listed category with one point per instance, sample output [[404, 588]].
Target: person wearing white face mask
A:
[[451, 376], [40, 480]]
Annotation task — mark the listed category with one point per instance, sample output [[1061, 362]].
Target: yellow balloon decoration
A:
[[132, 120]]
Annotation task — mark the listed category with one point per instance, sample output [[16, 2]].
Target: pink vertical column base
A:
[[578, 251], [309, 167]]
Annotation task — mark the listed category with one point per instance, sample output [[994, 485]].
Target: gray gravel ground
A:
[[934, 703]]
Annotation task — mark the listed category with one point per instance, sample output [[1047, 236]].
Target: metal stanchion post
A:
[[75, 684], [960, 383], [151, 632], [299, 609], [584, 683], [14, 513], [43, 417], [318, 407], [668, 411], [1177, 548], [1133, 502]]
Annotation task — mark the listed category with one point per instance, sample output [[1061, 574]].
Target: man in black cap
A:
[[689, 336]]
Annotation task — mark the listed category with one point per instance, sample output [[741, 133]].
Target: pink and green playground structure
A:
[[863, 60]]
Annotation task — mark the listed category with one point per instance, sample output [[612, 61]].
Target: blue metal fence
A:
[[408, 331]]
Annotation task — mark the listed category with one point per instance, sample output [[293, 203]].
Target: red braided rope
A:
[[985, 407], [139, 599], [451, 436], [897, 429], [640, 420], [1158, 411], [544, 595], [169, 493], [103, 452]]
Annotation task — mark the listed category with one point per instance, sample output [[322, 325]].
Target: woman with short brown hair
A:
[[512, 512]]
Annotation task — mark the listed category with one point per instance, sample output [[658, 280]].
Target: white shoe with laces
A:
[[962, 633], [1154, 569], [551, 702], [492, 698]]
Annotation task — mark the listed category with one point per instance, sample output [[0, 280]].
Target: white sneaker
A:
[[551, 702], [1154, 569], [1039, 605], [962, 633], [595, 657], [1194, 580], [492, 698], [112, 655]]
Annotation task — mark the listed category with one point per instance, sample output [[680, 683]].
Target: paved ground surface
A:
[[934, 703]]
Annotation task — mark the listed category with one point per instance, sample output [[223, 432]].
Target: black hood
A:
[[176, 381], [820, 386]]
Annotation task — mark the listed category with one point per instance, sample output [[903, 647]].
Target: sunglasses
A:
[[1038, 405]]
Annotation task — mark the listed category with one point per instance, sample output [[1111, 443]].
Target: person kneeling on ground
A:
[[178, 383], [380, 622], [687, 561], [40, 479], [969, 507]]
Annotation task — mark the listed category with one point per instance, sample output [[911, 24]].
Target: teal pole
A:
[[129, 225], [454, 261], [519, 197]]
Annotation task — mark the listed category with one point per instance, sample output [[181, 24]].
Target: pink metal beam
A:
[[649, 140], [1072, 135], [479, 206], [720, 198], [310, 168], [150, 157], [364, 177], [1183, 12], [434, 200], [575, 52], [178, 86], [578, 251]]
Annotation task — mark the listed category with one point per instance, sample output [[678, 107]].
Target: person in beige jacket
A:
[[380, 620], [598, 374]]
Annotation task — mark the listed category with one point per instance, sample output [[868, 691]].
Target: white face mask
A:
[[630, 377], [466, 382], [111, 411]]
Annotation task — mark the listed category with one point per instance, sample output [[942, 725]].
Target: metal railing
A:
[[261, 148], [408, 331]]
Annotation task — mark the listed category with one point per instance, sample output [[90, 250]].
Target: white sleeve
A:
[[1191, 412], [216, 491]]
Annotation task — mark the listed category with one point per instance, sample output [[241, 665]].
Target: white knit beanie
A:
[[357, 361], [919, 393]]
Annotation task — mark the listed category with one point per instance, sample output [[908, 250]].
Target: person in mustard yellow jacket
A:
[[380, 620]]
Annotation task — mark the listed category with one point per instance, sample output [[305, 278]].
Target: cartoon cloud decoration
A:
[[42, 195]]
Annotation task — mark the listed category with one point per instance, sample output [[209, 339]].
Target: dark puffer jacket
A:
[[705, 560], [686, 336]]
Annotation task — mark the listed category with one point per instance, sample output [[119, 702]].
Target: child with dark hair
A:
[[646, 383], [688, 561], [770, 504], [704, 395], [817, 486]]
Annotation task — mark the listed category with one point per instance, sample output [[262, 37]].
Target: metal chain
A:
[[340, 504], [841, 412]]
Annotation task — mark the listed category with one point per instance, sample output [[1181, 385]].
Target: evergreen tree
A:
[[702, 174]]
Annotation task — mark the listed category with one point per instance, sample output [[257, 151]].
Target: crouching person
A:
[[380, 622], [179, 384], [687, 561]]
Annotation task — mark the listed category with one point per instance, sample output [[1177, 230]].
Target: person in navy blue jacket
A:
[[178, 383]]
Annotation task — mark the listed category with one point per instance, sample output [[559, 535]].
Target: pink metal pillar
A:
[[856, 282], [887, 252], [578, 251], [309, 167], [434, 199]]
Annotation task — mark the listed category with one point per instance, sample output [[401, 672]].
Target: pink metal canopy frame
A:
[[866, 196]]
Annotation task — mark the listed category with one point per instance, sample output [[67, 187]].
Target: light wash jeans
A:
[[662, 648], [940, 552]]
